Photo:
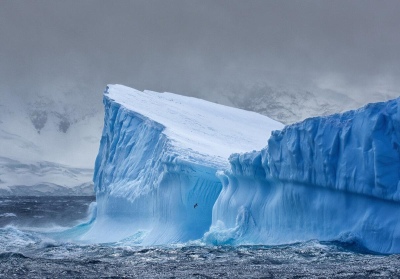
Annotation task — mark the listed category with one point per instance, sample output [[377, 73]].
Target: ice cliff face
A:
[[358, 151], [326, 178], [155, 172]]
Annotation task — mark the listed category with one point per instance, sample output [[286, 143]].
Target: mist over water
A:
[[35, 242]]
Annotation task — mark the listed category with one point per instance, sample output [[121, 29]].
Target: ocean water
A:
[[32, 246]]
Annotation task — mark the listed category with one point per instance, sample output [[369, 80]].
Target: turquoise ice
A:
[[326, 178]]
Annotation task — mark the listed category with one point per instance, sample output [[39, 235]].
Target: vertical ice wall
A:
[[143, 191], [357, 151], [325, 178]]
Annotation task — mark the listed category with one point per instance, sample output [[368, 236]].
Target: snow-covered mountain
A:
[[48, 145], [162, 174], [287, 104]]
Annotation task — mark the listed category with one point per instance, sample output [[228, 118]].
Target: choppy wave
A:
[[56, 251], [35, 255], [8, 215]]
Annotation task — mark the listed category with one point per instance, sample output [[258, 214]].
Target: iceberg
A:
[[154, 177], [172, 169], [326, 178]]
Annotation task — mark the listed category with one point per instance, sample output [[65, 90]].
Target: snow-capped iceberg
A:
[[163, 176], [154, 175], [326, 178]]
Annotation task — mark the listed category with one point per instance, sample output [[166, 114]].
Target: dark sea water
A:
[[31, 247]]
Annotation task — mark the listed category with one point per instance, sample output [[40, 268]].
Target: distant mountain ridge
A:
[[288, 105]]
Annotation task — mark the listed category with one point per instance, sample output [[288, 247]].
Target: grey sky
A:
[[194, 46]]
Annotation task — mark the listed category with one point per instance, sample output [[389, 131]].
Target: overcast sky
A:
[[197, 46]]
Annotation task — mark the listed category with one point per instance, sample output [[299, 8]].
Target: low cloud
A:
[[194, 47]]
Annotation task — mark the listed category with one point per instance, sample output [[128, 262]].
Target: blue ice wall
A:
[[357, 151], [145, 192], [326, 178]]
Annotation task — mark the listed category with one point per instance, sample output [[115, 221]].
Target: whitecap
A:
[[6, 215]]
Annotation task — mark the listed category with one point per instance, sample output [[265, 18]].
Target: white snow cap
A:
[[201, 126]]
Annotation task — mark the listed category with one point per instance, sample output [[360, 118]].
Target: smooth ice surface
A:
[[158, 157], [326, 178]]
